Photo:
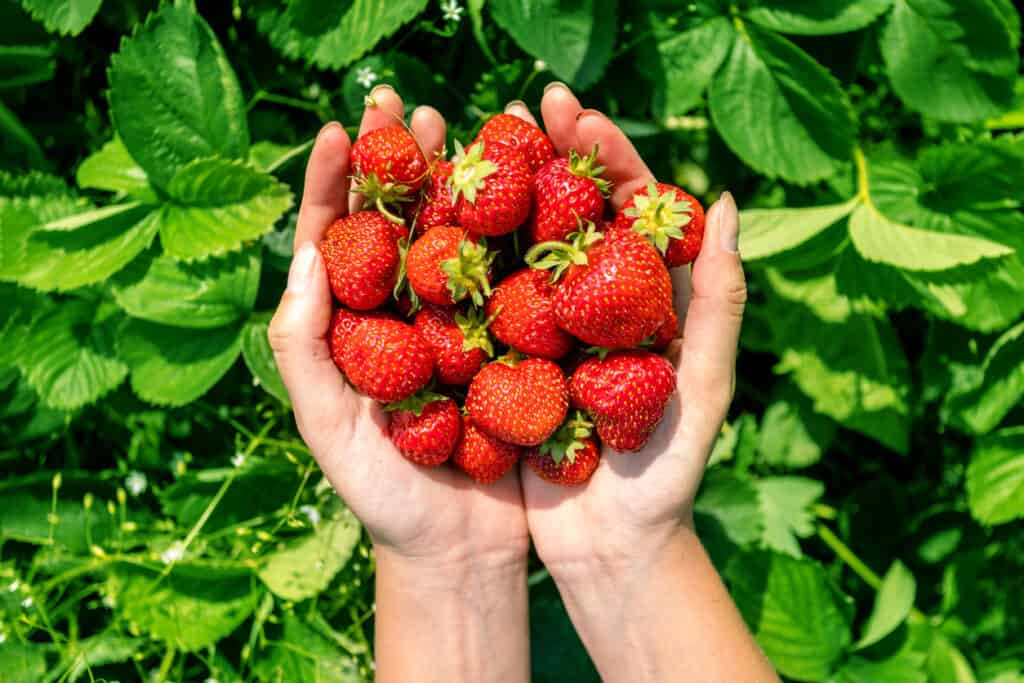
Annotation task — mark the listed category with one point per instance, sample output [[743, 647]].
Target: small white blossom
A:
[[14, 585], [238, 459], [451, 10], [27, 602], [180, 466], [312, 513], [3, 638], [366, 76], [172, 554], [540, 65], [210, 680], [109, 601], [136, 483]]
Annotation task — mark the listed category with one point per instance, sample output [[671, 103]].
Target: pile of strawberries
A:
[[506, 250]]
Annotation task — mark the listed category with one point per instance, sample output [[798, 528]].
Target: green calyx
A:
[[416, 403], [474, 330], [470, 171], [382, 194], [586, 167], [402, 283], [659, 217], [557, 256], [601, 351], [468, 271], [568, 439]]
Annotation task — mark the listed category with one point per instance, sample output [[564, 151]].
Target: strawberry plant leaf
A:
[[903, 667], [997, 386], [574, 39], [22, 65], [964, 45], [218, 205], [995, 477], [212, 293], [113, 169], [173, 365], [269, 156], [792, 435], [785, 504], [259, 357], [770, 232], [893, 603], [174, 96], [779, 110], [27, 504], [808, 17], [732, 501], [108, 647], [22, 662], [405, 74], [66, 17], [302, 653]]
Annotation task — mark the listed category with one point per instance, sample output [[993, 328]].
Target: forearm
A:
[[451, 621], [665, 617]]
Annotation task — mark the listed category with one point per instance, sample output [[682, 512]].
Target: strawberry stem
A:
[[568, 438]]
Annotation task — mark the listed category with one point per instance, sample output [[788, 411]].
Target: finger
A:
[[559, 109], [298, 336], [519, 109], [383, 108], [428, 128], [326, 188], [622, 163], [707, 372]]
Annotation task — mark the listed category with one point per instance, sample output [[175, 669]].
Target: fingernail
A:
[[301, 272], [556, 84], [515, 103], [588, 112], [379, 89], [728, 223], [328, 126]]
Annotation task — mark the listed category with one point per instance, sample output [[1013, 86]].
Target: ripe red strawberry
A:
[[669, 218], [522, 308], [569, 457], [566, 191], [387, 164], [506, 129], [460, 342], [491, 186], [625, 393], [344, 323], [447, 264], [362, 258], [483, 457], [387, 360], [435, 206], [668, 331], [425, 428], [616, 291], [522, 404]]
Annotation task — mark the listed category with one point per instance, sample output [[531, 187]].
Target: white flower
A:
[[366, 76], [136, 483], [27, 602], [238, 459], [451, 10], [109, 601], [14, 585], [3, 638], [312, 513], [172, 554], [540, 65], [210, 680]]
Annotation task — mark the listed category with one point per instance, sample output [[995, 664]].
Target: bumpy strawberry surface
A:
[[482, 456], [445, 265], [430, 437], [387, 163], [523, 405], [458, 355], [387, 360], [523, 309], [566, 192], [362, 258], [625, 393], [512, 131], [435, 206], [570, 470], [492, 187], [344, 323], [671, 219], [668, 331]]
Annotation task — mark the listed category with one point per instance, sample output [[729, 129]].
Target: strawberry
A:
[[491, 188], [616, 291], [344, 323], [668, 331], [506, 129], [521, 402], [483, 457], [446, 264], [435, 206], [521, 306], [625, 393], [387, 165], [362, 258], [669, 218], [425, 428], [565, 192], [387, 360], [569, 457], [460, 342]]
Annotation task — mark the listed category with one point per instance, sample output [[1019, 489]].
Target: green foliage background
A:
[[864, 499]]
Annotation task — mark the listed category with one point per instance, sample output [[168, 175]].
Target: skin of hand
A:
[[451, 554]]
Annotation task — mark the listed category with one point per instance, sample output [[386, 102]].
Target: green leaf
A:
[[269, 156], [113, 169], [953, 60], [946, 664], [191, 608], [24, 516], [786, 507], [174, 96], [769, 232], [793, 610], [556, 653], [302, 653], [575, 39], [733, 502], [815, 18], [66, 17], [792, 434], [17, 141], [19, 215], [998, 388], [893, 603], [779, 110], [22, 65], [22, 662], [304, 569], [903, 667], [217, 206], [212, 293], [995, 477], [68, 356], [680, 61], [32, 184], [108, 647], [259, 358], [341, 32], [407, 75], [173, 365]]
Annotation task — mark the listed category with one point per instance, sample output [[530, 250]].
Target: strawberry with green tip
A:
[[425, 428], [569, 457], [528, 139], [447, 264], [362, 256], [434, 206], [388, 165], [522, 307], [669, 218], [387, 360], [483, 457], [460, 342], [567, 190], [491, 188], [521, 402]]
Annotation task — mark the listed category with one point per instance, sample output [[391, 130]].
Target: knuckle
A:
[[278, 334]]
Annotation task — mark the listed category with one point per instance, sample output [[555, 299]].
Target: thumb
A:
[[298, 337]]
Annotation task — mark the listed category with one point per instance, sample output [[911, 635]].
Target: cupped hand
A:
[[421, 514]]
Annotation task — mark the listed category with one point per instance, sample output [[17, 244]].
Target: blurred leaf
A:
[[269, 156], [785, 504], [174, 96], [113, 169], [108, 647], [733, 502], [893, 603], [998, 387], [792, 434], [405, 74], [995, 477], [24, 518], [903, 667], [17, 140], [66, 17], [259, 358], [303, 654], [945, 663], [22, 65], [810, 17], [737, 442], [556, 653], [22, 662], [769, 232]]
